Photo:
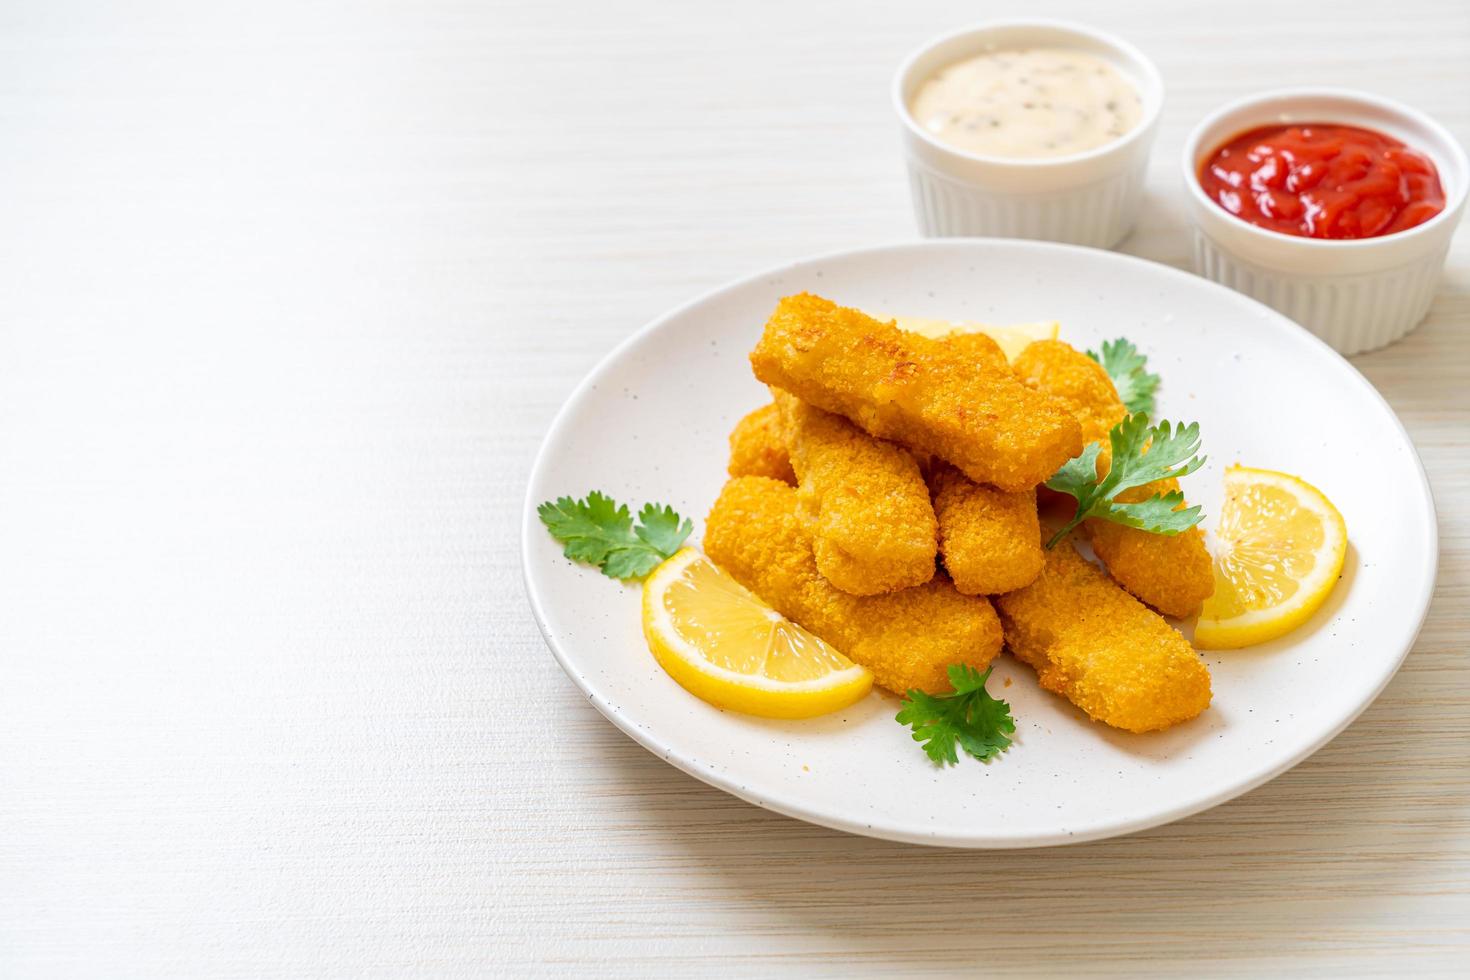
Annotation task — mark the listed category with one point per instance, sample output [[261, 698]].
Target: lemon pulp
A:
[[724, 645], [1280, 549]]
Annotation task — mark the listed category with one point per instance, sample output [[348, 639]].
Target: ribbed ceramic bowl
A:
[[1086, 198], [1356, 295]]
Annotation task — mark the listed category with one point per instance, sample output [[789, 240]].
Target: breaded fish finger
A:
[[872, 523], [758, 446], [968, 349], [908, 388], [1102, 649], [1174, 574], [907, 639], [989, 539], [1060, 370], [1171, 573]]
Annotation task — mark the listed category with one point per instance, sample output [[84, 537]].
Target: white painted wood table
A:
[[290, 294]]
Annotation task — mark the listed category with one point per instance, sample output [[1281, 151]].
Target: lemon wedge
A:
[[725, 646], [1280, 549], [1012, 338]]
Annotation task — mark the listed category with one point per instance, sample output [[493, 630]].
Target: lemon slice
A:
[[1012, 338], [726, 646], [1280, 550]]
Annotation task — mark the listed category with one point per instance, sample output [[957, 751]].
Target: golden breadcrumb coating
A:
[[907, 639], [1174, 574], [1062, 371], [977, 349], [989, 539], [1102, 649], [871, 520], [758, 446], [916, 392]]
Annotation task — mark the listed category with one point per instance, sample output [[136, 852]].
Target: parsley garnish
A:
[[600, 532], [1126, 367], [1141, 454], [970, 717]]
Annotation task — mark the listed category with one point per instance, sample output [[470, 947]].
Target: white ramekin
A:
[[1356, 295], [1087, 198]]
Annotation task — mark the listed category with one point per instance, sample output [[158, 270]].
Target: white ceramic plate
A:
[[650, 424]]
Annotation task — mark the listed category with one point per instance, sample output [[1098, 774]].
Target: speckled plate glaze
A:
[[650, 423]]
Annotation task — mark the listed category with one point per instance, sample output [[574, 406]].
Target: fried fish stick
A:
[[1174, 574], [758, 446], [1060, 370], [908, 388], [873, 526], [967, 349], [989, 539], [1171, 573], [1102, 649], [907, 639]]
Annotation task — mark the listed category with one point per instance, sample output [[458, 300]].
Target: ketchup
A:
[[1321, 181]]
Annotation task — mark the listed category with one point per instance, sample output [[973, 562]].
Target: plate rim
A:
[[794, 808]]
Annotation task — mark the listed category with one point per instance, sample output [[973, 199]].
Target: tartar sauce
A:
[[1028, 103]]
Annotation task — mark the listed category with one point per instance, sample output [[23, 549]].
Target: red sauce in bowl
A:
[[1316, 180]]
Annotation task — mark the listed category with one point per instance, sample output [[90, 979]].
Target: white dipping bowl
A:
[[1357, 295], [1086, 198]]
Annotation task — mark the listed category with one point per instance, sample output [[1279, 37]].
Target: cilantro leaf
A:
[[1141, 454], [589, 528], [969, 718], [1158, 511], [1126, 367], [600, 532], [1079, 470], [631, 563], [659, 528]]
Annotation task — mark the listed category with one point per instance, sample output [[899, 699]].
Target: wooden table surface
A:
[[291, 294]]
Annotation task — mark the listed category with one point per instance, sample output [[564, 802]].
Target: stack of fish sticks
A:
[[887, 500]]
